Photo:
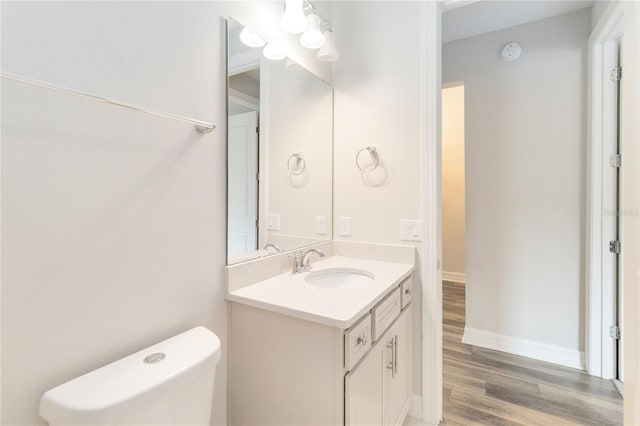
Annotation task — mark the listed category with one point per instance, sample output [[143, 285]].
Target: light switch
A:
[[411, 230], [345, 226], [321, 225], [273, 222]]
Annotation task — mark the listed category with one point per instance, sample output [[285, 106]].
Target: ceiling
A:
[[467, 18]]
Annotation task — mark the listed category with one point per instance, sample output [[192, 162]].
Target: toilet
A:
[[169, 383]]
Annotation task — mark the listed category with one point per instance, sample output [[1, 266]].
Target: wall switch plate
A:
[[345, 226], [411, 230], [273, 222], [321, 225]]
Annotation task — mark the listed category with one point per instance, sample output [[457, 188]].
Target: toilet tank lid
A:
[[125, 379]]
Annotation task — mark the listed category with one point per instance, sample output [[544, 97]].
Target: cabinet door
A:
[[364, 391], [398, 369]]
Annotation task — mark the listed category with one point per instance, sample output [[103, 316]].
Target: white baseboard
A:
[[456, 277], [540, 351], [415, 410]]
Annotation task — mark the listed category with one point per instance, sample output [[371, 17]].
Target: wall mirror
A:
[[279, 152]]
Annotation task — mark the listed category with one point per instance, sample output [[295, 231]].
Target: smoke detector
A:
[[511, 51]]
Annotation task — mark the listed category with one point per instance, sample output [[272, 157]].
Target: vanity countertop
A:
[[291, 295]]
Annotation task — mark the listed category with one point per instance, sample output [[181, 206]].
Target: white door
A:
[[610, 221], [619, 286], [243, 184]]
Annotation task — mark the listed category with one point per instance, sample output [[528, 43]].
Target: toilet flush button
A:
[[154, 358]]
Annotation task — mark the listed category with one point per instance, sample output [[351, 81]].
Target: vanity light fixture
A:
[[293, 19], [313, 38], [250, 38], [274, 52], [328, 52]]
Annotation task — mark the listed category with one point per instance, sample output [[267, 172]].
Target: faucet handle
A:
[[297, 263]]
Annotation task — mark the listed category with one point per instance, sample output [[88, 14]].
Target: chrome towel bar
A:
[[202, 127]]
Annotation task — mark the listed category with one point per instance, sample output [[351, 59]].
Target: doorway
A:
[[453, 184]]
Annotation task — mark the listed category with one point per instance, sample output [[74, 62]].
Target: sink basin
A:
[[340, 278]]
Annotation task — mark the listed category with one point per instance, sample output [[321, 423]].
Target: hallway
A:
[[483, 386]]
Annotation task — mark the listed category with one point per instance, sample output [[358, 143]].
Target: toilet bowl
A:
[[169, 383]]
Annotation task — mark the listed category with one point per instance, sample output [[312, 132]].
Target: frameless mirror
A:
[[279, 152]]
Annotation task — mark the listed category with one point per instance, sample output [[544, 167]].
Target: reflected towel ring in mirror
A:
[[374, 154], [295, 167]]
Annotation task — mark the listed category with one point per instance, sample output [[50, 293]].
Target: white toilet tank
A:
[[170, 383]]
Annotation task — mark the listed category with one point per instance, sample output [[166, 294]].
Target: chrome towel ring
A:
[[374, 153], [295, 167]]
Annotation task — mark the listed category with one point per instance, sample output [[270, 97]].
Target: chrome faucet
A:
[[300, 262], [305, 258], [274, 246]]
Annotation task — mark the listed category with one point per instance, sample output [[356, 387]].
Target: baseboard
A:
[[415, 410], [456, 277], [540, 351]]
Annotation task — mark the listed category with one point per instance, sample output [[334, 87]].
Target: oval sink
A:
[[340, 278]]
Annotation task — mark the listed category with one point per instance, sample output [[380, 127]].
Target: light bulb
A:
[[312, 38], [293, 20], [251, 39], [273, 52], [328, 52]]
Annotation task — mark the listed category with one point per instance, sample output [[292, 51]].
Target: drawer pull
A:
[[393, 365], [407, 291], [361, 340]]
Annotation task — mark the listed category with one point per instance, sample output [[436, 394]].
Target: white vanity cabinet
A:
[[286, 370], [377, 391]]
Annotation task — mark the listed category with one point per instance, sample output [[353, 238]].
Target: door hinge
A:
[[616, 74], [614, 332], [258, 177], [615, 160], [614, 246], [258, 129]]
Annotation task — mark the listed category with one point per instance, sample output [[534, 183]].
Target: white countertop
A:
[[291, 295]]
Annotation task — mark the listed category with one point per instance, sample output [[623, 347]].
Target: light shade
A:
[[328, 51], [271, 51], [293, 19], [251, 39], [313, 38]]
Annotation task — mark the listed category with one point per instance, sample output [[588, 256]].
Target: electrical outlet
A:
[[345, 226], [411, 230], [321, 225], [273, 222]]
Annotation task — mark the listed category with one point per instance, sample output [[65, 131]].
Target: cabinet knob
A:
[[361, 340]]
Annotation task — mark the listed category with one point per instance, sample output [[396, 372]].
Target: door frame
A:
[[600, 307], [430, 260], [630, 197]]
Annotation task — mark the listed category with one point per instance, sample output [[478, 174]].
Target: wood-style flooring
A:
[[485, 387]]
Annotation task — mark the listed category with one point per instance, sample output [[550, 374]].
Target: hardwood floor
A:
[[486, 387]]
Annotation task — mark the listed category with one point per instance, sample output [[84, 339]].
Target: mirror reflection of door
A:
[[243, 184]]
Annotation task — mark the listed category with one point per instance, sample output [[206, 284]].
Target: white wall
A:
[[453, 228], [525, 174], [377, 102], [113, 230], [597, 10]]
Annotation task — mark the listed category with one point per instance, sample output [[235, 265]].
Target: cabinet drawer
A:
[[406, 288], [385, 313], [356, 341]]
